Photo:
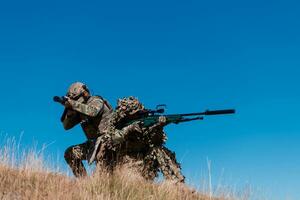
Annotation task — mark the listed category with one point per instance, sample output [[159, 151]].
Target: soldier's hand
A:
[[67, 103], [162, 120]]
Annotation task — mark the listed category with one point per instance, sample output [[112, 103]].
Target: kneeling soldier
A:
[[92, 112]]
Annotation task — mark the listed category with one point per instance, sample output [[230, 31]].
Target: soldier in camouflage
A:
[[144, 148], [93, 113]]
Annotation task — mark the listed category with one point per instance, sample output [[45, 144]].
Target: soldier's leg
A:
[[168, 164], [74, 156], [151, 166], [106, 156], [145, 165]]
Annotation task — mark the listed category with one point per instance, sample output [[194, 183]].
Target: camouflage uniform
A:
[[93, 114], [142, 147]]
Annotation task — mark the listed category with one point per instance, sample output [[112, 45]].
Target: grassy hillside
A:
[[25, 176], [26, 184]]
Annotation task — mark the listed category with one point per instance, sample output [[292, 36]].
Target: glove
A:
[[162, 120], [67, 103]]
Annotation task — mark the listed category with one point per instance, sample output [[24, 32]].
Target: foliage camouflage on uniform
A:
[[145, 150]]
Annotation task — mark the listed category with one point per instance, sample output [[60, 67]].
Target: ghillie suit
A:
[[136, 146]]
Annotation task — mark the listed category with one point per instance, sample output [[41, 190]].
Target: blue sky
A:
[[190, 55]]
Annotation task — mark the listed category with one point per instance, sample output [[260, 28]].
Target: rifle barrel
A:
[[212, 112]]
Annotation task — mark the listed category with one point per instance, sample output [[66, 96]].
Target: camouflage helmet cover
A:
[[129, 105], [76, 90]]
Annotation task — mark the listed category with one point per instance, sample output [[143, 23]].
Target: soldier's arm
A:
[[91, 109], [119, 136], [69, 119]]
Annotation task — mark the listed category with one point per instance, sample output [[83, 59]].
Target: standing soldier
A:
[[92, 112]]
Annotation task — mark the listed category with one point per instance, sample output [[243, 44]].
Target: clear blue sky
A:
[[191, 55]]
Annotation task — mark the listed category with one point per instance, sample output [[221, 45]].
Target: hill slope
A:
[[25, 174], [27, 184]]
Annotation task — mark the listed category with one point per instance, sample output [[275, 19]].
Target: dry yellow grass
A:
[[123, 185], [28, 178]]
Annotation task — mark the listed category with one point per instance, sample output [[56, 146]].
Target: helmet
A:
[[76, 90]]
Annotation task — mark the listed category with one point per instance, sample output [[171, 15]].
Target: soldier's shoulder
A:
[[96, 99]]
